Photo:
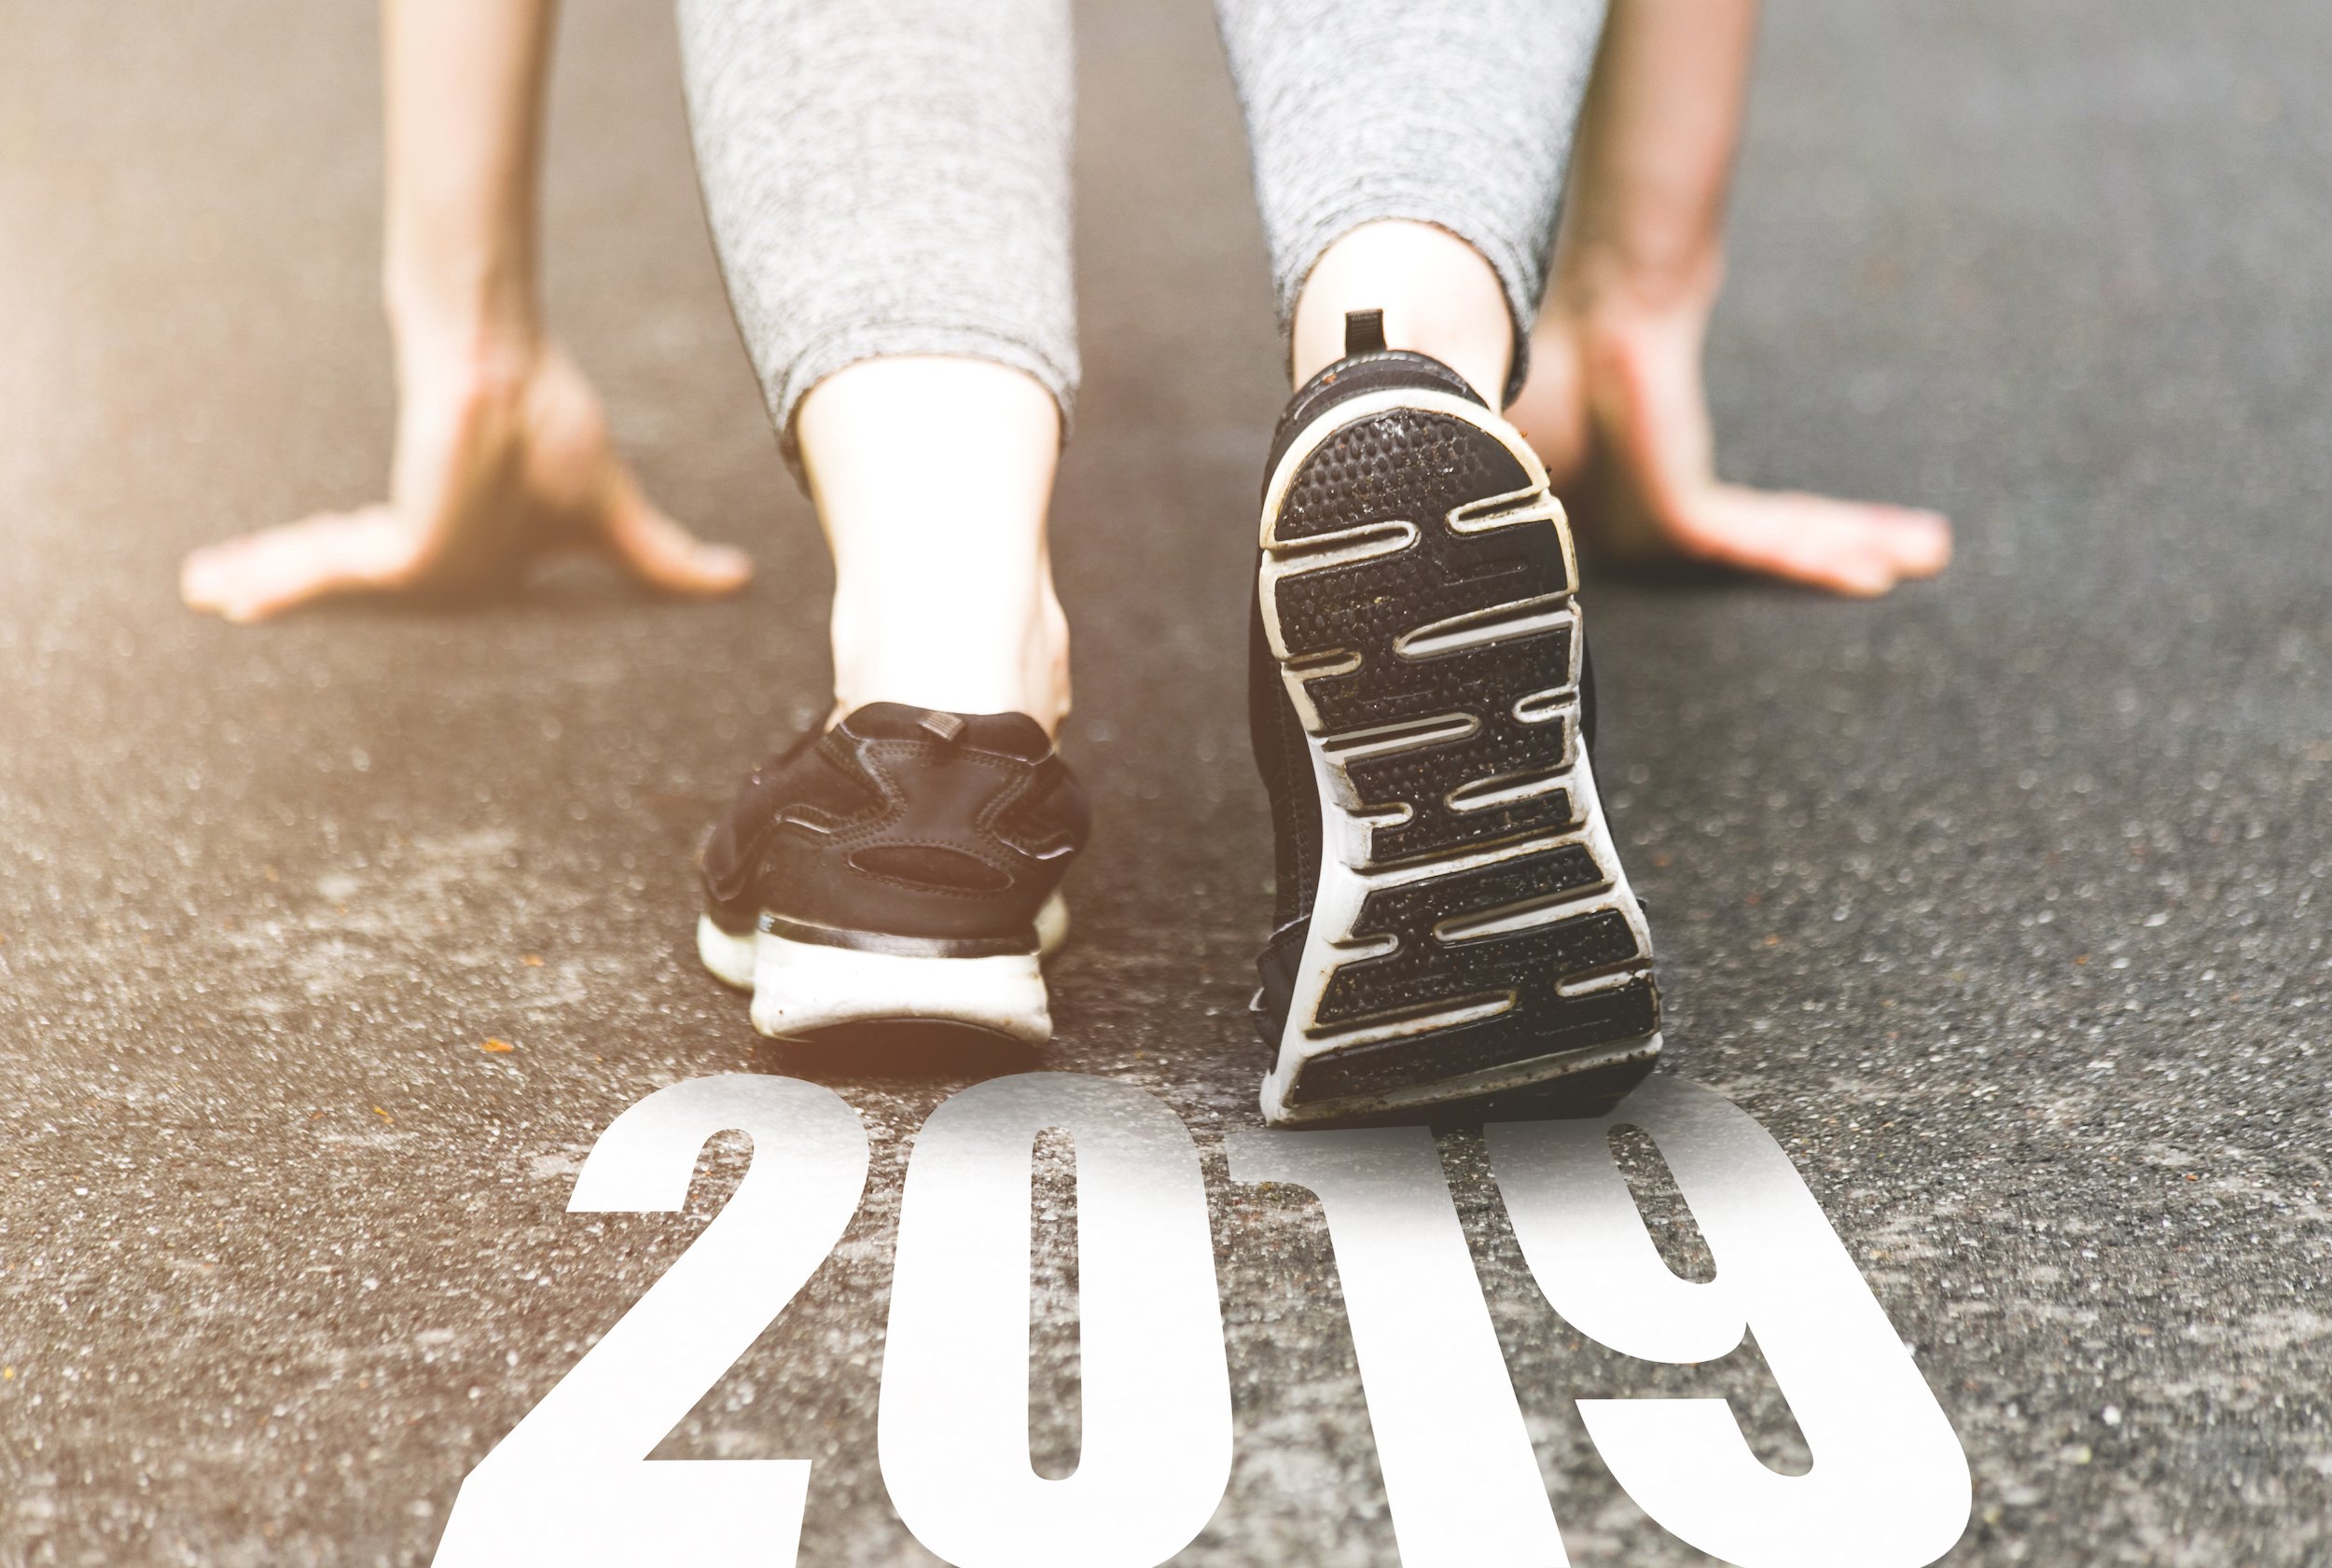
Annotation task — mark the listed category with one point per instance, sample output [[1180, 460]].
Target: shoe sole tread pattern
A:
[[1473, 931]]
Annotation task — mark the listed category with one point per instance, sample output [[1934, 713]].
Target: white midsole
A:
[[802, 986]]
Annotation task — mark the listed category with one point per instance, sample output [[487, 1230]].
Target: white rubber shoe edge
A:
[[802, 986]]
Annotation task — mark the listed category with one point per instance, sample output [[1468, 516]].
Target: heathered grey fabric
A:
[[1458, 113], [887, 177], [893, 176]]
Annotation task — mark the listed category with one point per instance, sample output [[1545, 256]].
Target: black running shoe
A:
[[1454, 920], [904, 865]]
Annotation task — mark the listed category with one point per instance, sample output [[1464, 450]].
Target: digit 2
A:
[[571, 1484]]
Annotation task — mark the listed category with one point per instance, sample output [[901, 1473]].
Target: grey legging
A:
[[892, 176]]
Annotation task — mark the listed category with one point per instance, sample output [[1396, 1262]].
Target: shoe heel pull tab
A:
[[945, 726], [1364, 332]]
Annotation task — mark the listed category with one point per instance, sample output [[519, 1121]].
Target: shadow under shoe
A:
[[901, 1053]]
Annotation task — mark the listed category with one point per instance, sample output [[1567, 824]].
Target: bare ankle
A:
[[1038, 687], [943, 606], [1439, 295]]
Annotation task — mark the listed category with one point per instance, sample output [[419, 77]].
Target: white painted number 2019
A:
[[571, 1484]]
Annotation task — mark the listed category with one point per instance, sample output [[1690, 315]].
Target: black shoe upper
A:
[[901, 829]]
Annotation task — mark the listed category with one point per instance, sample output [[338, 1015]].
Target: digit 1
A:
[[569, 1485], [1459, 1472], [953, 1433], [1889, 1487]]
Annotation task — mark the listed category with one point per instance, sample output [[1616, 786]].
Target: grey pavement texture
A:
[[2000, 901]]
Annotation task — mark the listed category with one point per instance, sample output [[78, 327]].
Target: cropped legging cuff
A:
[[890, 177]]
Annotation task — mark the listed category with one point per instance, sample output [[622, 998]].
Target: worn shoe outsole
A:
[[1472, 932], [799, 986]]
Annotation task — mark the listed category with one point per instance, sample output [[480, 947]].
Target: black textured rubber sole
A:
[[1473, 933]]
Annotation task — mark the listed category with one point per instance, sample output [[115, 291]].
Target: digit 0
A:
[[953, 1431]]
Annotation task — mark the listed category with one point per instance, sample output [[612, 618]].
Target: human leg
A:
[[1366, 111], [1615, 404], [888, 186], [503, 452], [1440, 296], [932, 477], [1454, 925]]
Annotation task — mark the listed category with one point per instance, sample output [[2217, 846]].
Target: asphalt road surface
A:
[[2000, 902]]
